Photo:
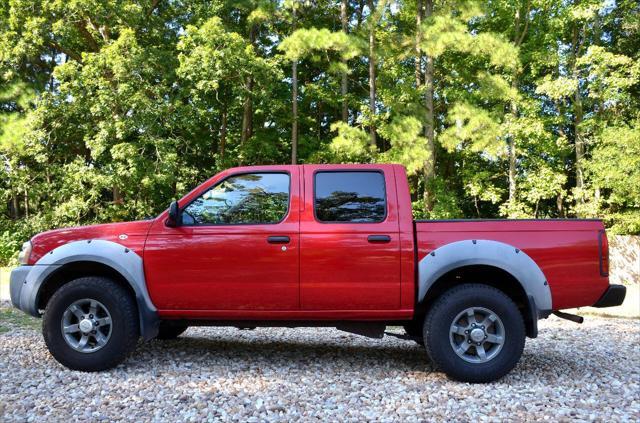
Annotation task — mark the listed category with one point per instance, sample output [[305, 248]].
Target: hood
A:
[[129, 234]]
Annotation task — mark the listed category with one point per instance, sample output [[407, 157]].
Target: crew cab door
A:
[[349, 239], [237, 248]]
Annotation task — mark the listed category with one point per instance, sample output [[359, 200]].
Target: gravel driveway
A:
[[589, 372]]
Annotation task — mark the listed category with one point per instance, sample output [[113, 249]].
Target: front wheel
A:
[[91, 324], [474, 333]]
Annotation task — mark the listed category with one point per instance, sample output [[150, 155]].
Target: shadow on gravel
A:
[[251, 352], [539, 366]]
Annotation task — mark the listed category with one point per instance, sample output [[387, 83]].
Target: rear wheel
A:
[[474, 333], [91, 324], [171, 330]]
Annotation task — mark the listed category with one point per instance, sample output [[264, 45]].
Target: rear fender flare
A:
[[485, 252]]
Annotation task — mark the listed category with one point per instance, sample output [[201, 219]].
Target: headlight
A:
[[25, 253]]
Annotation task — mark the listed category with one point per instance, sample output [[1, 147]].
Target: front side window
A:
[[251, 198], [350, 197]]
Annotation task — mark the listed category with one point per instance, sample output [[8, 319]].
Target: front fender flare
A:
[[485, 252], [121, 259]]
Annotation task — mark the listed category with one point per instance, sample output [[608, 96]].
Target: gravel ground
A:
[[571, 372]]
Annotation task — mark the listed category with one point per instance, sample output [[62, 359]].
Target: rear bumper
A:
[[613, 296]]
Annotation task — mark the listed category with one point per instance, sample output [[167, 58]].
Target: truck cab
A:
[[283, 242]]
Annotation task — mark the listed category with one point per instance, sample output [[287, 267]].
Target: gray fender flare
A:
[[121, 259], [486, 252]]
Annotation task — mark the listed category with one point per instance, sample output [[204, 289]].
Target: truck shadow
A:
[[337, 352], [263, 352]]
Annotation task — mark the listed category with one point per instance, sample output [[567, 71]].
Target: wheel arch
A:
[[92, 258], [489, 262]]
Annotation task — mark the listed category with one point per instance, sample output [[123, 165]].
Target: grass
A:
[[5, 272], [11, 318]]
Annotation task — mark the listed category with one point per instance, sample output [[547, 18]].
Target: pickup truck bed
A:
[[568, 251]]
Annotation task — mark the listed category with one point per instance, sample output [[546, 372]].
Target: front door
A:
[[349, 239], [237, 248]]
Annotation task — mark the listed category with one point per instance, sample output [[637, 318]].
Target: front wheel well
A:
[[486, 275], [70, 271]]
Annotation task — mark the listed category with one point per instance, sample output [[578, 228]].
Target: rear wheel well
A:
[[486, 275], [74, 270]]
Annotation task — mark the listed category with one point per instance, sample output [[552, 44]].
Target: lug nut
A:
[[91, 316]]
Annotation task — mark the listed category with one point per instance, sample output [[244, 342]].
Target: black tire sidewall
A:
[[445, 310], [124, 325]]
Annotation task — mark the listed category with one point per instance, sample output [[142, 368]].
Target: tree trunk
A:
[[223, 133], [418, 59], [247, 107], [512, 149], [247, 112], [580, 150], [578, 113], [117, 195], [560, 204], [360, 13], [294, 102], [26, 204], [511, 142], [429, 132], [344, 83], [15, 206], [518, 38], [372, 74]]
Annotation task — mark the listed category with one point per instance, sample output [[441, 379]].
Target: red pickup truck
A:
[[312, 245]]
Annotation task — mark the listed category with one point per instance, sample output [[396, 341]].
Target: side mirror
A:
[[175, 217]]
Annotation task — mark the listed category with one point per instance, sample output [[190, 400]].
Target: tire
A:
[[469, 365], [68, 307], [414, 330], [170, 330]]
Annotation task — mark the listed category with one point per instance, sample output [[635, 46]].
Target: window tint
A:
[[350, 197], [242, 199]]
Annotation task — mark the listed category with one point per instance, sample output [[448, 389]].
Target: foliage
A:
[[110, 109]]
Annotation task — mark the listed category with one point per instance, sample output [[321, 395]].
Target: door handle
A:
[[379, 238], [278, 240]]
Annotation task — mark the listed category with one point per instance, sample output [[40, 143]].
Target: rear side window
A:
[[357, 197]]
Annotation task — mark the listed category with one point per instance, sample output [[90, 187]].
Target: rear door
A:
[[349, 239]]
